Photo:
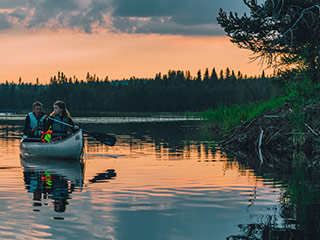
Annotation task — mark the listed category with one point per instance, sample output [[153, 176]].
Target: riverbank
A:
[[286, 128], [277, 125]]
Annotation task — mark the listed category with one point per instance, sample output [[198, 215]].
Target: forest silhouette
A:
[[176, 91]]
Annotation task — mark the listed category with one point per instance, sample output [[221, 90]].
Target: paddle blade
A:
[[104, 138]]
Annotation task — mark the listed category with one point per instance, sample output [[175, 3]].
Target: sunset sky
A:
[[116, 38]]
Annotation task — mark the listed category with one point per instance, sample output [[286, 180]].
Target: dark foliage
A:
[[281, 32], [174, 92]]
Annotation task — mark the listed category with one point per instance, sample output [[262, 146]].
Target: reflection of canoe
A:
[[69, 148], [71, 170]]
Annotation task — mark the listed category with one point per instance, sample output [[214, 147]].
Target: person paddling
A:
[[33, 123], [61, 114]]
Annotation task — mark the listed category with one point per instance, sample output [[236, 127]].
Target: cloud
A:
[[164, 25], [183, 11], [10, 4], [78, 15], [69, 14], [94, 16], [4, 23], [182, 17], [48, 10], [19, 14], [185, 17]]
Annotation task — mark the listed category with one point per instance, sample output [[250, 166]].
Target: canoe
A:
[[68, 148]]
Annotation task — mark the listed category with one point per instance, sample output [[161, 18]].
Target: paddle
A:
[[101, 137]]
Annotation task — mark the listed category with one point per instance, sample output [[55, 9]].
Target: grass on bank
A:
[[225, 118]]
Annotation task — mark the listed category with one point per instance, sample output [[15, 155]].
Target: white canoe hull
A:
[[69, 148]]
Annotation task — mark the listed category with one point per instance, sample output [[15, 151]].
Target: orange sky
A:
[[43, 53]]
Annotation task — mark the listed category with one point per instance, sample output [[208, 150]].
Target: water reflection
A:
[[52, 179], [100, 177], [297, 174], [170, 184], [56, 180], [10, 131]]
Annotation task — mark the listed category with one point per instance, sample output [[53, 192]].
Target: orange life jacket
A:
[[46, 136]]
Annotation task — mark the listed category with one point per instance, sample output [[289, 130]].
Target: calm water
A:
[[160, 181]]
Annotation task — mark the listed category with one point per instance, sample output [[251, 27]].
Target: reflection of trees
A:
[[298, 175], [9, 130], [166, 140], [264, 231], [174, 136]]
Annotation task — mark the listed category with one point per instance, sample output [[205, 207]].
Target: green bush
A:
[[225, 118]]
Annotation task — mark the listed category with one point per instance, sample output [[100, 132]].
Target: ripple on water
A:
[[168, 186]]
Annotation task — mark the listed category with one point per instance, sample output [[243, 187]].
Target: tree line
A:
[[176, 91]]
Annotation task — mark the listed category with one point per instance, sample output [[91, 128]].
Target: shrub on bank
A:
[[225, 118]]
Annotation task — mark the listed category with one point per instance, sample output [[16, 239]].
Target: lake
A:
[[162, 180]]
